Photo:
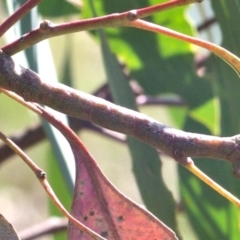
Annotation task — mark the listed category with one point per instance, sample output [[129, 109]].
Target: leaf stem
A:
[[127, 19], [227, 56], [41, 175], [197, 172]]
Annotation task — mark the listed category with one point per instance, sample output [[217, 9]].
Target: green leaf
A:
[[57, 8], [227, 80], [211, 215], [146, 164], [163, 65], [208, 115], [145, 53]]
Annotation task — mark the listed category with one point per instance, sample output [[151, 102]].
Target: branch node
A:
[[181, 158], [45, 26], [21, 39], [41, 174], [132, 15]]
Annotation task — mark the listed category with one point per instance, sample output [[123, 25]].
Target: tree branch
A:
[[47, 29], [176, 143]]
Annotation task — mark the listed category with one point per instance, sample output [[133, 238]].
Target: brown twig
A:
[[25, 139], [221, 52], [47, 29]]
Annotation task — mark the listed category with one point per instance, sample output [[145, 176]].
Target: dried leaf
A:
[[7, 231], [101, 207]]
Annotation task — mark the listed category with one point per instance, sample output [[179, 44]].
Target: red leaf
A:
[[101, 207]]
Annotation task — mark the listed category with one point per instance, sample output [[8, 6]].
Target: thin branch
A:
[[127, 19], [178, 144], [197, 172], [35, 134], [27, 138], [16, 16], [47, 29], [41, 175], [221, 52]]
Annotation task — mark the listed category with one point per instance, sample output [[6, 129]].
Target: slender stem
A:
[[144, 100], [25, 158], [227, 56], [178, 144], [127, 19], [81, 226], [20, 100], [41, 175], [16, 16], [47, 29], [197, 172]]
